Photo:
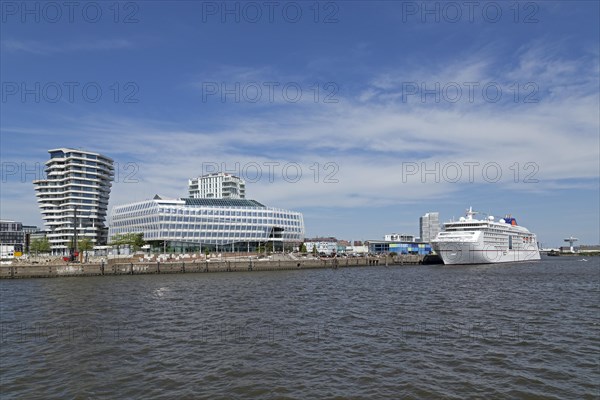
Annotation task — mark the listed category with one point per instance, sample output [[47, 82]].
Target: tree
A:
[[86, 245], [118, 241], [41, 245], [303, 248], [137, 240], [314, 250], [133, 240]]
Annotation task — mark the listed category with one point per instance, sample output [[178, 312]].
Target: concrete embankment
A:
[[141, 268]]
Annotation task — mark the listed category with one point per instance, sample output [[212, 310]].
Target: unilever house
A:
[[217, 224]]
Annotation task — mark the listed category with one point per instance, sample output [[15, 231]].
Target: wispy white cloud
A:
[[370, 139], [46, 48]]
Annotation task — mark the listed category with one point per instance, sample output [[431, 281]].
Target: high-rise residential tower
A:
[[429, 226], [76, 187], [217, 186]]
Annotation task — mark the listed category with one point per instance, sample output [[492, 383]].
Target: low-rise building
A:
[[324, 245], [12, 238], [382, 246], [398, 237]]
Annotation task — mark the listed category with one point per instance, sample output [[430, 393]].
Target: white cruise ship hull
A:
[[471, 247], [471, 253]]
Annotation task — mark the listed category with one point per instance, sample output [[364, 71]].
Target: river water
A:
[[528, 330]]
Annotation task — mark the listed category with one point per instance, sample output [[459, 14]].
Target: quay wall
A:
[[142, 268]]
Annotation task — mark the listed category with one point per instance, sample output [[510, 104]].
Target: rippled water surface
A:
[[526, 330]]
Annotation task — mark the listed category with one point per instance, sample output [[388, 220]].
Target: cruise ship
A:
[[485, 241]]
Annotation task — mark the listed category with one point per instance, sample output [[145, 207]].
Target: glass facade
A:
[[11, 232], [399, 248], [231, 225]]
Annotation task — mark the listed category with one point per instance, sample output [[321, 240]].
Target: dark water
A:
[[497, 331]]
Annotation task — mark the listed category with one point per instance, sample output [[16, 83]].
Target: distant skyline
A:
[[362, 115]]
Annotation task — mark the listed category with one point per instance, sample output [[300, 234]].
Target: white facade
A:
[[77, 183], [429, 226], [357, 249], [235, 224], [398, 237], [217, 186], [323, 245]]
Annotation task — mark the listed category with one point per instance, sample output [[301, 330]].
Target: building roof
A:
[[320, 239], [69, 149], [223, 203]]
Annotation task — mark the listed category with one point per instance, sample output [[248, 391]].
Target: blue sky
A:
[[405, 107]]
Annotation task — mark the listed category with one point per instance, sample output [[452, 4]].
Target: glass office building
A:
[[193, 225]]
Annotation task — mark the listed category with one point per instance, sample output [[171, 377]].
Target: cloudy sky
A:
[[362, 115]]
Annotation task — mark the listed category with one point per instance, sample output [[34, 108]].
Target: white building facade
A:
[[77, 186], [326, 246], [429, 226], [192, 224], [219, 185], [398, 237]]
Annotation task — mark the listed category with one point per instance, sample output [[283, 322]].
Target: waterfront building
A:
[[77, 187], [325, 245], [195, 224], [358, 250], [342, 245], [12, 238], [429, 226], [218, 185], [399, 237], [29, 231], [382, 246]]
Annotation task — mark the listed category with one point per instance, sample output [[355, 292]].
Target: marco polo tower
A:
[[75, 193]]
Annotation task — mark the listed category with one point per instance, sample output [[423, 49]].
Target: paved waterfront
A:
[[503, 331]]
